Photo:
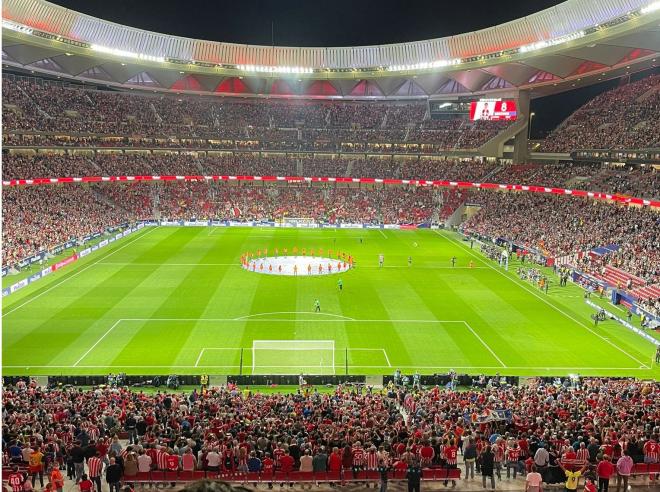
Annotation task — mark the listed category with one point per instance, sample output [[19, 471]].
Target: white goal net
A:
[[293, 356], [297, 221]]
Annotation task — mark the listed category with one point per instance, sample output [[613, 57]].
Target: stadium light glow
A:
[[12, 26], [551, 42], [126, 54], [274, 69], [650, 8], [424, 65]]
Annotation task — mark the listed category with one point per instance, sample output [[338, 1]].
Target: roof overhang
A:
[[554, 50]]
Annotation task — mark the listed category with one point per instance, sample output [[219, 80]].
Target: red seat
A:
[[640, 469], [252, 477], [654, 467], [400, 474], [228, 476], [188, 475], [280, 476], [333, 476], [157, 476], [359, 475], [299, 476], [172, 475], [373, 475]]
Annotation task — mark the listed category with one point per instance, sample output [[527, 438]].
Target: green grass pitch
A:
[[175, 300]]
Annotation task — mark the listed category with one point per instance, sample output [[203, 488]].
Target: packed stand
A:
[[142, 120], [622, 118], [557, 226], [602, 427], [38, 218], [20, 166]]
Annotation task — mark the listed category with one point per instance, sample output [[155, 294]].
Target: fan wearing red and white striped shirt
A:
[[358, 455], [95, 468], [16, 480], [278, 452], [512, 458], [651, 451], [371, 458], [450, 452], [161, 458], [582, 455]]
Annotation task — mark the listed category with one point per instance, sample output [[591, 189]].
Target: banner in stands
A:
[[316, 179]]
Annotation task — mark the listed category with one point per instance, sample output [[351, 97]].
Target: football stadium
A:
[[272, 249]]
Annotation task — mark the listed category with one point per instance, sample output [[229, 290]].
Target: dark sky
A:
[[310, 22]]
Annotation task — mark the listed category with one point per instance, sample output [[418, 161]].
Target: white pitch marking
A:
[[199, 357], [78, 272], [383, 233], [544, 368], [294, 312], [167, 264], [484, 344], [238, 265], [524, 286], [387, 359], [97, 342], [342, 319]]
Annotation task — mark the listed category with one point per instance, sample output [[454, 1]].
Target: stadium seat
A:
[[252, 477]]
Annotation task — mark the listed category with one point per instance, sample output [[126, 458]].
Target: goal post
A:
[[293, 356]]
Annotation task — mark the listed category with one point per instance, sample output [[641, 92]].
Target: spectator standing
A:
[[113, 475], [624, 467], [487, 466], [36, 466], [469, 456], [534, 481], [604, 470], [95, 468], [414, 476]]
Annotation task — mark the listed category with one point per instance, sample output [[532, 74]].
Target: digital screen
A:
[[493, 110]]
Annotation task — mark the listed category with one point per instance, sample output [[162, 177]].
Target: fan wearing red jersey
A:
[[451, 453], [512, 459], [651, 451], [16, 480], [426, 454]]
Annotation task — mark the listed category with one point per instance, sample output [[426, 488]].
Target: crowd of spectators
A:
[[38, 218], [247, 163], [638, 181], [556, 226], [90, 116], [544, 426], [622, 118]]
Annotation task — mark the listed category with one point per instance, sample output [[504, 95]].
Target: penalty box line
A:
[[244, 319]]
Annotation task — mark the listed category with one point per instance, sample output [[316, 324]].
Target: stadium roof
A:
[[574, 43]]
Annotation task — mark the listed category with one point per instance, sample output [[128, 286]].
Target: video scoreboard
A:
[[473, 109]]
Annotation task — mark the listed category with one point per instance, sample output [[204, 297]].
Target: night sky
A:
[[310, 22], [333, 23]]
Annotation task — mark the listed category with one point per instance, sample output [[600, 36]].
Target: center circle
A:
[[296, 265]]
